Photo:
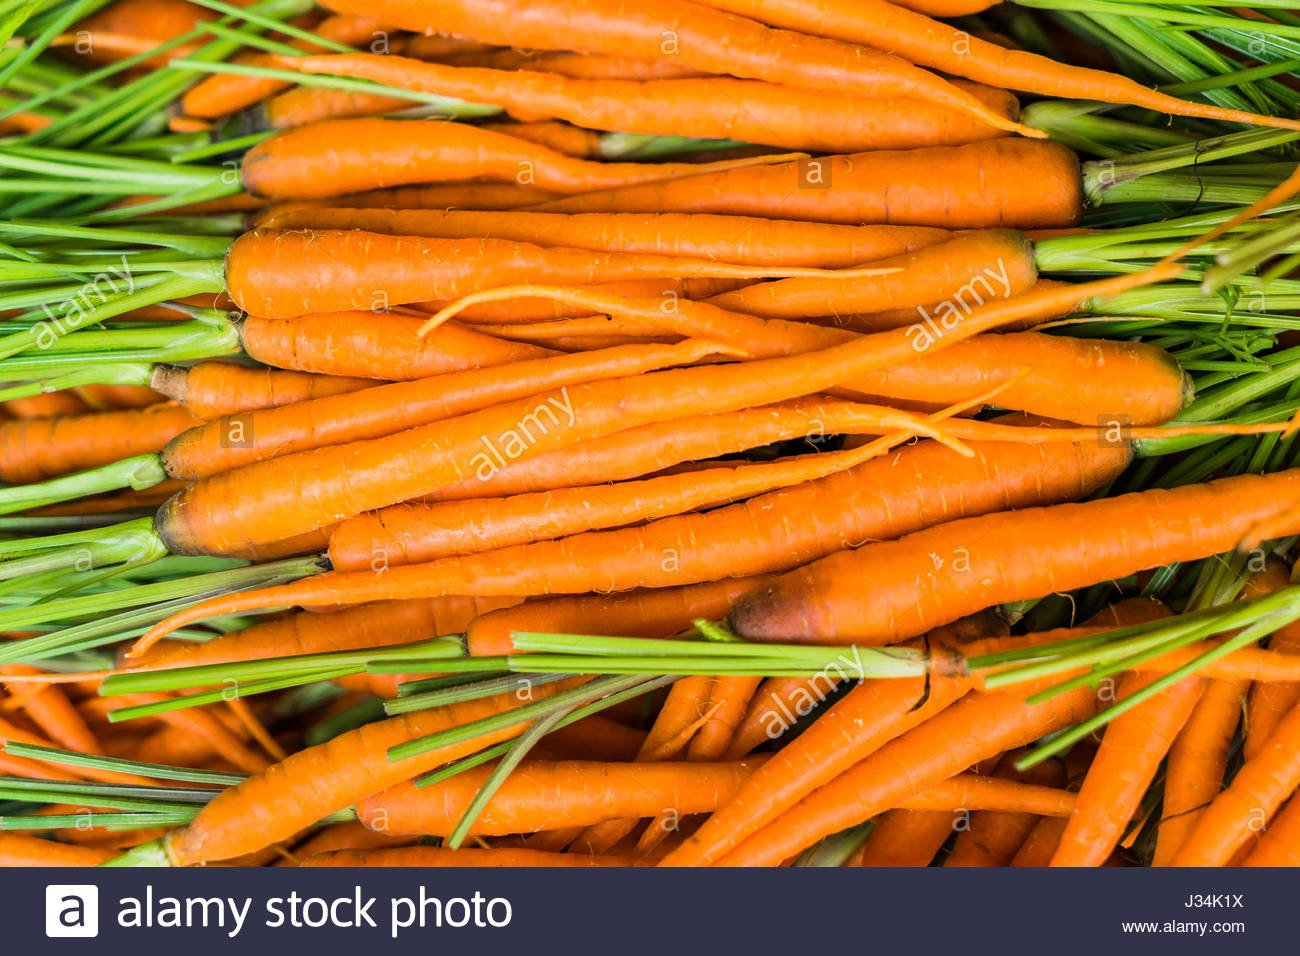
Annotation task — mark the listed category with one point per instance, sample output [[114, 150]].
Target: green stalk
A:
[[73, 758], [106, 821], [138, 473], [466, 692], [228, 692]]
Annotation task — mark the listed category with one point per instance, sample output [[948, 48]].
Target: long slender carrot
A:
[[1142, 380], [467, 195], [504, 315], [688, 33], [1253, 797], [34, 449], [212, 389], [223, 94], [706, 107], [1280, 844], [1268, 703], [897, 318], [744, 240], [146, 22], [906, 838], [386, 409], [775, 707], [18, 849], [561, 137], [1126, 762], [982, 185], [976, 791], [110, 397], [317, 781], [655, 612], [336, 157], [428, 532], [434, 856], [50, 710], [314, 104], [543, 795], [947, 48], [971, 730], [586, 66], [361, 270], [378, 473], [998, 558], [49, 405]]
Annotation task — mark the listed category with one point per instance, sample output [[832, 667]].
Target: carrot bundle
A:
[[998, 558]]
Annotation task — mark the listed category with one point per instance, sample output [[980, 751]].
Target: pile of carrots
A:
[[608, 433]]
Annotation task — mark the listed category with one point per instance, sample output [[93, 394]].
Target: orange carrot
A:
[[561, 137], [372, 345], [313, 104], [317, 781], [744, 240], [18, 849], [336, 157], [977, 186], [778, 703], [435, 856], [544, 795], [343, 836], [905, 838], [1134, 744], [35, 449], [505, 316], [1253, 797], [467, 195], [992, 837], [49, 405], [386, 409], [691, 34], [108, 397], [987, 562], [212, 389], [1280, 844], [589, 66], [706, 107], [145, 22], [50, 710], [223, 94], [971, 730], [361, 270], [659, 612], [1142, 379], [955, 51], [446, 450], [1268, 703]]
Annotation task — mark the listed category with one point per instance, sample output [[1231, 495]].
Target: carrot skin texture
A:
[[434, 856], [705, 39], [1280, 844], [19, 849], [1012, 556], [1269, 703], [542, 795], [906, 838], [972, 730], [744, 240], [706, 107], [1126, 762], [317, 781], [212, 389], [977, 186]]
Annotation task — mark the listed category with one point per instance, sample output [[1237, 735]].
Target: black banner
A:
[[666, 912]]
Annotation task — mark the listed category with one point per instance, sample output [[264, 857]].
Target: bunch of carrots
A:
[[603, 433]]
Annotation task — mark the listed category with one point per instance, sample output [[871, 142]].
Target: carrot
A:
[[1268, 703], [109, 397], [184, 523], [32, 769], [18, 849], [420, 533], [212, 389], [146, 23], [744, 240], [1280, 844], [992, 837], [49, 405], [317, 781], [949, 8], [34, 449], [371, 625], [197, 723], [544, 795], [342, 836], [433, 856], [361, 270], [313, 104], [596, 738], [1256, 792], [223, 94], [467, 195], [905, 838], [386, 409], [706, 107], [561, 137], [372, 345], [507, 316], [898, 318], [778, 703], [969, 731], [1134, 744], [51, 711], [997, 558], [336, 157], [977, 186], [695, 36], [1141, 379], [979, 265], [658, 612], [428, 45], [975, 791], [585, 66], [147, 499], [952, 50]]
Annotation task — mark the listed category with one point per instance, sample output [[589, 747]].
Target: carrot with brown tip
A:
[[213, 389]]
